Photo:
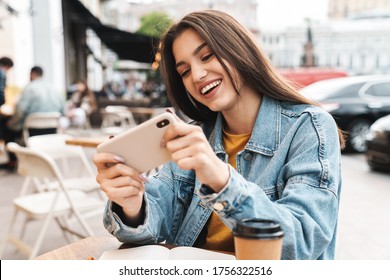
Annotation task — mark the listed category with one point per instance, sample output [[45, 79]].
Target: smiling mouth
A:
[[207, 89]]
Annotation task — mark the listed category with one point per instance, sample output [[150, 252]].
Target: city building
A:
[[358, 46], [339, 9], [126, 14], [31, 33], [64, 37]]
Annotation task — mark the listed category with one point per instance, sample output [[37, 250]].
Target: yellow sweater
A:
[[219, 236]]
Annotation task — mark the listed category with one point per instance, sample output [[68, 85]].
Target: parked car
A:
[[378, 145], [354, 102]]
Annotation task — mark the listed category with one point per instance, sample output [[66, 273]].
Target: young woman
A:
[[79, 106], [261, 150]]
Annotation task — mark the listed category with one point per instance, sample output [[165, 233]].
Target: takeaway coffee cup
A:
[[256, 239]]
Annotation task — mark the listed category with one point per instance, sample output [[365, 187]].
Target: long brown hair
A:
[[230, 42], [87, 93]]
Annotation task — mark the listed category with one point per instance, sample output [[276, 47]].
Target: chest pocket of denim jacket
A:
[[269, 188], [272, 192]]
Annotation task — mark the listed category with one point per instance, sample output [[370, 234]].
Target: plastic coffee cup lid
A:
[[258, 229]]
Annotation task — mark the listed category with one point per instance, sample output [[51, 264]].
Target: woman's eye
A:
[[207, 57], [184, 73]]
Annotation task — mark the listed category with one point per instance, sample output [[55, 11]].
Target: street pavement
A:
[[364, 223]]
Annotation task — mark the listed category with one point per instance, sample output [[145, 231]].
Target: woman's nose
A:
[[198, 73]]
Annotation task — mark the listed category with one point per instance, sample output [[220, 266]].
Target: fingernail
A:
[[144, 178], [119, 159]]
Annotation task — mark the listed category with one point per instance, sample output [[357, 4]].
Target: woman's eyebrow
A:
[[195, 52], [198, 49]]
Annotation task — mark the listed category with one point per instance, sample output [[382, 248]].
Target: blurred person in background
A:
[[37, 97], [5, 64], [80, 105]]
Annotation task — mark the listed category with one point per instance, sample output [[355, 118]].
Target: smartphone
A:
[[140, 146]]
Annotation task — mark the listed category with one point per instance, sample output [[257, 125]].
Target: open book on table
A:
[[157, 252]]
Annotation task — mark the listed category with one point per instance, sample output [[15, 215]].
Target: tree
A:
[[154, 24]]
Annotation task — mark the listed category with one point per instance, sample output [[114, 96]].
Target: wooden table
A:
[[89, 247], [93, 247], [91, 142], [144, 110], [83, 249]]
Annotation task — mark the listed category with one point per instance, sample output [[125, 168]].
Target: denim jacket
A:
[[288, 172]]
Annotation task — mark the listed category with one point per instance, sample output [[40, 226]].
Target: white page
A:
[[157, 252], [146, 252], [192, 253]]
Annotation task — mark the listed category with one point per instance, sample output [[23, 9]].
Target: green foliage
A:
[[154, 24]]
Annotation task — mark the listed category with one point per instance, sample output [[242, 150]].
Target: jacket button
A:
[[248, 156], [218, 206]]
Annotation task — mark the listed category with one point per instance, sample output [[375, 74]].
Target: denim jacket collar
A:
[[266, 135]]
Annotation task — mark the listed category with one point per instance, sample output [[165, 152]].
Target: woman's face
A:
[[80, 86], [203, 75]]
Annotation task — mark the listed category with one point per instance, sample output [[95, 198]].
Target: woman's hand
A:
[[122, 185], [191, 150]]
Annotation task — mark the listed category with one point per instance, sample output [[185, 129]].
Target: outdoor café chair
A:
[[57, 205], [40, 121], [116, 119], [81, 176]]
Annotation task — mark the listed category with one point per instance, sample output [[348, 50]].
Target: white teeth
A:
[[210, 86]]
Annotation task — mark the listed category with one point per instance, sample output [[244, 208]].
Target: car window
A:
[[380, 89], [351, 90]]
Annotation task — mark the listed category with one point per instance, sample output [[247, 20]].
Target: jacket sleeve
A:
[[21, 110], [310, 181]]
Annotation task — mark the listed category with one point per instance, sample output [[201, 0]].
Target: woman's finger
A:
[[179, 130], [194, 138], [123, 192], [120, 173], [105, 160], [120, 182]]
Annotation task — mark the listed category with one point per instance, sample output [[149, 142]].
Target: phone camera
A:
[[162, 123]]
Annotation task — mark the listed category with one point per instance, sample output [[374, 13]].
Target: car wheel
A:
[[357, 133]]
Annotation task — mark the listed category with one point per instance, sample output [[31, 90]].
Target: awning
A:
[[127, 45]]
